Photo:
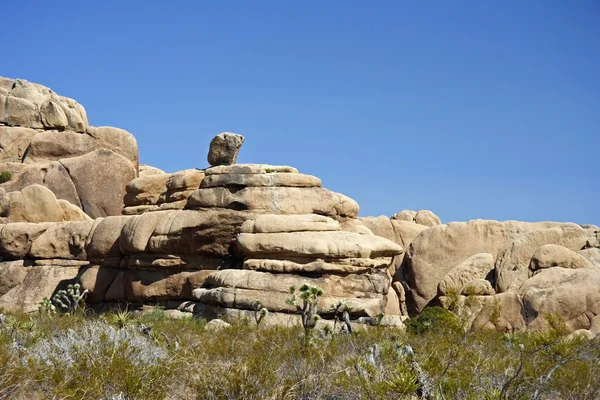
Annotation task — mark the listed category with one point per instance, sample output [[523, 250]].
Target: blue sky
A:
[[471, 109]]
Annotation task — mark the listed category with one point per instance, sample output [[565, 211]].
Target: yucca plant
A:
[[309, 295]]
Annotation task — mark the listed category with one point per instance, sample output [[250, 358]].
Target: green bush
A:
[[433, 319], [5, 176]]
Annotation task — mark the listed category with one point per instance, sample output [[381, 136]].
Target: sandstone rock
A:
[[12, 274], [552, 255], [336, 244], [65, 240], [310, 265], [51, 175], [145, 170], [40, 282], [333, 285], [155, 183], [118, 140], [273, 223], [427, 218], [35, 106], [14, 142], [224, 148], [170, 261], [16, 238], [512, 265], [216, 325], [96, 280], [478, 266], [257, 180], [398, 231], [137, 231], [502, 312], [478, 287], [249, 169], [34, 203], [354, 225], [104, 241], [405, 215], [100, 178], [54, 145], [71, 212], [570, 293], [592, 255], [436, 250], [143, 286], [185, 180], [595, 325], [276, 200]]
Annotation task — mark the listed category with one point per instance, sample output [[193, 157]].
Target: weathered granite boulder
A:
[[224, 148]]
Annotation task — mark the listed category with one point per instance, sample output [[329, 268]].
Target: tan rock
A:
[[22, 112], [118, 140], [142, 286], [249, 169], [512, 265], [427, 218], [503, 312], [310, 265], [592, 255], [96, 280], [478, 266], [65, 240], [216, 325], [187, 179], [273, 223], [13, 142], [148, 184], [40, 282], [182, 261], [146, 170], [337, 244], [12, 274], [100, 178], [271, 179], [354, 225], [71, 212], [333, 285], [16, 238], [276, 200], [436, 250], [34, 203], [224, 148], [51, 175], [478, 287], [55, 145], [104, 241], [553, 255], [405, 215], [137, 231], [570, 293]]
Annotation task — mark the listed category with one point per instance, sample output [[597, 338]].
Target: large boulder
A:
[[100, 178], [14, 141], [512, 265], [476, 267], [224, 148], [553, 255], [37, 203]]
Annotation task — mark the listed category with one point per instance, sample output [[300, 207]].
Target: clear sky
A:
[[473, 109]]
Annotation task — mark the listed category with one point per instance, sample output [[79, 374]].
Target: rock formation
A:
[[45, 139], [78, 207]]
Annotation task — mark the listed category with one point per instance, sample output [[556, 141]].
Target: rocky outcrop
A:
[[423, 217], [45, 139]]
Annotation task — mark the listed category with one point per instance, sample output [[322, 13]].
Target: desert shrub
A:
[[433, 319], [5, 176]]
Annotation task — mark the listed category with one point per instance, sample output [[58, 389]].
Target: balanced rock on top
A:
[[224, 148]]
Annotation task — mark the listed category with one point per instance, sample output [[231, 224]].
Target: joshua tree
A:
[[309, 295], [260, 312], [341, 312]]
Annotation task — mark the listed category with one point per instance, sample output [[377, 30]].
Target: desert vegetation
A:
[[132, 355]]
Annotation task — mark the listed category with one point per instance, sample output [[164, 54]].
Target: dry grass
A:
[[114, 357]]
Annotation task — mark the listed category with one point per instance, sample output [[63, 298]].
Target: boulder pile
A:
[[76, 206]]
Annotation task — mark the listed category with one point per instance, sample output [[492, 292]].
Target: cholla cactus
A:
[[69, 300], [341, 312], [260, 312], [310, 303]]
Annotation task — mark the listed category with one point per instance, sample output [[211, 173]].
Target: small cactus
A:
[[69, 301], [260, 312]]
